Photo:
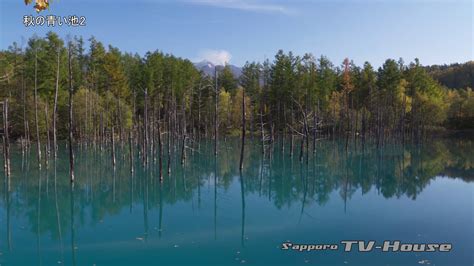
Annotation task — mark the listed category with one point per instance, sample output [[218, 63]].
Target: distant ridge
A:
[[454, 76]]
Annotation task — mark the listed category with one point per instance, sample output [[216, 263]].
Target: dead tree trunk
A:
[[112, 140], [120, 123], [48, 142], [25, 120], [216, 122], [71, 151], [315, 129], [241, 165], [6, 140], [403, 119], [153, 133], [160, 150], [55, 109], [183, 148], [169, 143], [38, 144], [292, 141], [302, 149], [130, 151], [199, 115], [363, 129], [145, 129], [262, 132]]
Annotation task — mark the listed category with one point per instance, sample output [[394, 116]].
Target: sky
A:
[[236, 31]]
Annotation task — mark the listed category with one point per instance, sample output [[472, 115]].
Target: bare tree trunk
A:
[[112, 139], [55, 109], [346, 117], [120, 123], [38, 144], [306, 133], [101, 131], [130, 146], [403, 119], [199, 115], [71, 151], [6, 140], [153, 133], [363, 129], [216, 122], [355, 126], [292, 141], [283, 138], [86, 120], [183, 148], [145, 129], [48, 142], [262, 132], [25, 120], [169, 142], [241, 165], [379, 123], [160, 151], [316, 127], [302, 149], [175, 122]]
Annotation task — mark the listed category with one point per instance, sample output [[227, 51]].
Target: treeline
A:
[[459, 78], [119, 96], [455, 76]]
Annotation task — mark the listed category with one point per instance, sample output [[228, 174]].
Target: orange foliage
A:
[[40, 5]]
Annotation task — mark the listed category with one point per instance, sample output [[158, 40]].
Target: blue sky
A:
[[436, 32]]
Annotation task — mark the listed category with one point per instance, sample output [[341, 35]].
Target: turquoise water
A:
[[206, 213]]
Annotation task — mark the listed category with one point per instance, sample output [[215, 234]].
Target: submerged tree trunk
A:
[[38, 144], [48, 142], [262, 132], [130, 146], [55, 110], [292, 141], [71, 151], [145, 129], [216, 122], [160, 151], [25, 120], [6, 141], [183, 148], [241, 165], [169, 143], [316, 127], [112, 139], [152, 137]]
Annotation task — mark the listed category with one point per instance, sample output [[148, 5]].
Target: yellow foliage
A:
[[431, 110], [40, 5], [335, 104], [237, 108], [224, 109], [403, 96]]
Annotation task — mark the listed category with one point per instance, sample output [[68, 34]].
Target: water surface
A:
[[206, 213]]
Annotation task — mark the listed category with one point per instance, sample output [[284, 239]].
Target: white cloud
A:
[[217, 57], [247, 5]]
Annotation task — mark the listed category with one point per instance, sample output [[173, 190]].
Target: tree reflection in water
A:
[[393, 171]]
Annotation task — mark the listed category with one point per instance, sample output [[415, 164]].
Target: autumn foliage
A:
[[40, 5]]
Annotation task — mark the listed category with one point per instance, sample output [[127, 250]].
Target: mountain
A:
[[208, 68]]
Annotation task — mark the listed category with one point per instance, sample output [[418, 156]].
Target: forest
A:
[[105, 96], [454, 75]]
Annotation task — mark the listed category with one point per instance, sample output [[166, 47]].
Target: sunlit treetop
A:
[[40, 5]]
